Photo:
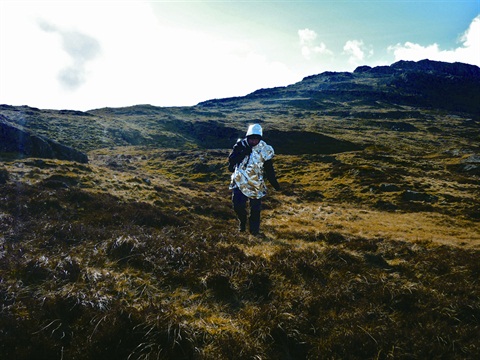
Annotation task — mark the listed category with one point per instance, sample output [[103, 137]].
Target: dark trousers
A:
[[240, 207]]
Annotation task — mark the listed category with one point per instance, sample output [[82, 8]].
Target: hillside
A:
[[370, 250]]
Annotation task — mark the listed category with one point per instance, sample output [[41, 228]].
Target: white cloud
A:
[[357, 52], [121, 55], [468, 52], [308, 47], [80, 47], [307, 36]]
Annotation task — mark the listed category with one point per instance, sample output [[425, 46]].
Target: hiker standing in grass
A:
[[249, 160]]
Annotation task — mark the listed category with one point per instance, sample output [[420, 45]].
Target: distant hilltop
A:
[[427, 66], [456, 69], [426, 83]]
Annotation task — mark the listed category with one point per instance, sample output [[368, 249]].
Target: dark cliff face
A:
[[17, 141]]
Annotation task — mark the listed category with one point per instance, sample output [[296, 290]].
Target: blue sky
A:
[[90, 54]]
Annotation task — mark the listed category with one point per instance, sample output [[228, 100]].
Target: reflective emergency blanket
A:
[[248, 175]]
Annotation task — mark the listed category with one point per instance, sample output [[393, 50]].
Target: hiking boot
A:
[[254, 230], [259, 235]]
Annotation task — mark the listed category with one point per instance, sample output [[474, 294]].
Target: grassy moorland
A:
[[369, 251]]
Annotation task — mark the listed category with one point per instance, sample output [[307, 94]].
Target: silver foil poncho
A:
[[248, 175]]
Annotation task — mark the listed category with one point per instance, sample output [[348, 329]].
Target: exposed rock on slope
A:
[[18, 141]]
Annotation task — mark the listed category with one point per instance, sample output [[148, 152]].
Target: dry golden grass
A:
[[292, 217]]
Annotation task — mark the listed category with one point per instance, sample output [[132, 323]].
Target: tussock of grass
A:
[[88, 273]]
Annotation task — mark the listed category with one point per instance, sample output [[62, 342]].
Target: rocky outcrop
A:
[[423, 84], [19, 141], [409, 195], [439, 67], [425, 66]]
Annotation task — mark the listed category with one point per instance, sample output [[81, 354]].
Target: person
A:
[[251, 159]]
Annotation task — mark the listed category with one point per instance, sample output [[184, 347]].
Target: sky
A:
[[90, 54]]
